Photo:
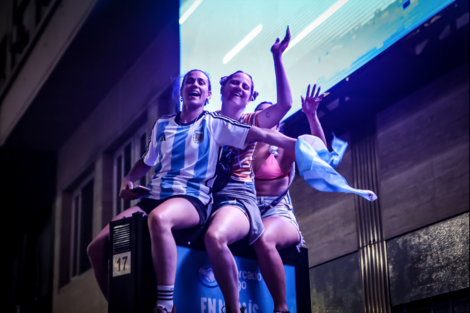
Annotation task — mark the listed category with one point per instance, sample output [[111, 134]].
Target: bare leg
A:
[[176, 213], [98, 252], [279, 234], [228, 225]]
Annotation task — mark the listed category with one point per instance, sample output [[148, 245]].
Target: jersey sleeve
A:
[[252, 118], [228, 132], [150, 156]]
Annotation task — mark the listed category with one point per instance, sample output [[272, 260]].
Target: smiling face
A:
[[195, 89], [237, 90]]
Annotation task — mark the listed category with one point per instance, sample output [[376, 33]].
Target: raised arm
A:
[[309, 107], [127, 184], [271, 137], [271, 116]]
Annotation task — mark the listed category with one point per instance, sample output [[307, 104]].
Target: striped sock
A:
[[165, 297]]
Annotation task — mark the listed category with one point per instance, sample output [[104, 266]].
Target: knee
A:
[[265, 243], [215, 240], [96, 248], [158, 222]]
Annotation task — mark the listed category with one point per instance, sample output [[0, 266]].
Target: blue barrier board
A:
[[195, 284]]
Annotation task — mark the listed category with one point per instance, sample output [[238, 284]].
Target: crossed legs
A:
[[228, 225], [278, 234]]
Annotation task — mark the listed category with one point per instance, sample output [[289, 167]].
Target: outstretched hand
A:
[[278, 47], [312, 100]]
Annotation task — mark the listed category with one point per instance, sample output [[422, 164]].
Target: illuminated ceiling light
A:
[[335, 7], [333, 104], [420, 47], [243, 43], [445, 33], [435, 18], [190, 11], [462, 21]]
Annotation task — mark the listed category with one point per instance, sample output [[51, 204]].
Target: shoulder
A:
[[250, 118], [248, 115], [217, 117], [166, 117]]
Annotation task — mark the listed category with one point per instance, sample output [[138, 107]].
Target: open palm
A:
[[312, 100], [279, 47]]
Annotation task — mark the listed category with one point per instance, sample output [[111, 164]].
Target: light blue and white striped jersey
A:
[[185, 155]]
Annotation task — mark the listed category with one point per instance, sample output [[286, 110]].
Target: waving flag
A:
[[316, 165]]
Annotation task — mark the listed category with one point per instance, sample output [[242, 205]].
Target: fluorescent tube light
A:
[[190, 11], [335, 7], [243, 43]]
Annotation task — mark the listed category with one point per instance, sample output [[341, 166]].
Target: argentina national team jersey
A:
[[185, 155]]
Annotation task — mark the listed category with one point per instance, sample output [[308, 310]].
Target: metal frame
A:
[[134, 141], [76, 213]]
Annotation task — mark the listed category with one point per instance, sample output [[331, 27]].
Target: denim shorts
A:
[[283, 209], [241, 195], [224, 200]]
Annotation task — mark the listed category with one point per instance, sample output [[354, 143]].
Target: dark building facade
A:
[[82, 83]]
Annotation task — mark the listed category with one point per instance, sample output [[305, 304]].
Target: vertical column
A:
[[103, 193], [372, 247], [62, 238]]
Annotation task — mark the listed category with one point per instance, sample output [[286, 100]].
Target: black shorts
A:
[[147, 205]]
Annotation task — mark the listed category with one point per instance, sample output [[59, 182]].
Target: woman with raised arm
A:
[[183, 147], [274, 172], [235, 212]]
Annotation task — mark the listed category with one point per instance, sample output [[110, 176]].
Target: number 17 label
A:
[[122, 264]]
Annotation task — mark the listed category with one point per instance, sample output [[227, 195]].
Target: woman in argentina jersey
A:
[[235, 211], [183, 147]]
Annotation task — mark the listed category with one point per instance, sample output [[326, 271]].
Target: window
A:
[[82, 227], [124, 158]]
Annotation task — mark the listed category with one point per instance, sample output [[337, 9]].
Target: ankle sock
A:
[[165, 297]]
